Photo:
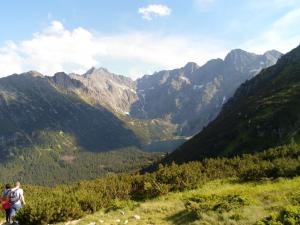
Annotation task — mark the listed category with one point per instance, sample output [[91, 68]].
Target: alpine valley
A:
[[68, 127]]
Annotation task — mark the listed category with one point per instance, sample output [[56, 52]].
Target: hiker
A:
[[5, 202], [17, 200]]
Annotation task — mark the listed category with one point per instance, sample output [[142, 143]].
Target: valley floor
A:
[[255, 200]]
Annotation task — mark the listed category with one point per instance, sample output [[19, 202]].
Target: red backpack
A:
[[5, 202]]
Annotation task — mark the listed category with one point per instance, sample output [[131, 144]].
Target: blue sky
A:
[[135, 37]]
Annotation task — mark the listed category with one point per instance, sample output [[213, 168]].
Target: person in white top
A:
[[17, 200]]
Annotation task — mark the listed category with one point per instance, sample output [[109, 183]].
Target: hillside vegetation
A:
[[246, 187], [48, 168], [216, 202]]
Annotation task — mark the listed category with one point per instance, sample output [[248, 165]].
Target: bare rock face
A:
[[112, 91], [193, 96], [189, 97]]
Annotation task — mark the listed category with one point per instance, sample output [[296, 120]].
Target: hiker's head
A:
[[8, 186], [18, 184]]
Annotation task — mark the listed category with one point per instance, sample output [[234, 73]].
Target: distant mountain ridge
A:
[[264, 112], [112, 91], [167, 104], [192, 96], [63, 122], [189, 97]]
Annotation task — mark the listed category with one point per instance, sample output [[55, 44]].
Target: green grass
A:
[[262, 199]]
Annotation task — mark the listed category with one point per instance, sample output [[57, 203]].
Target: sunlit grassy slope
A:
[[218, 202]]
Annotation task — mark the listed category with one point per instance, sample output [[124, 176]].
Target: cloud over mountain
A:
[[57, 48], [154, 10]]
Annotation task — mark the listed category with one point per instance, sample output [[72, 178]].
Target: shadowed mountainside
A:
[[31, 104]]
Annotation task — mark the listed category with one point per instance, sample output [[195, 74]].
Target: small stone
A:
[[118, 220], [126, 221], [101, 221], [137, 217]]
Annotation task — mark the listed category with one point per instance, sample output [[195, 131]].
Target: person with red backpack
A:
[[5, 202]]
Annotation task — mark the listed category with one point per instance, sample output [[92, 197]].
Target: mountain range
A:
[[192, 96], [263, 113], [60, 118]]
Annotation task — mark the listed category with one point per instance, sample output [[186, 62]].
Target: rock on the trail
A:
[[137, 217]]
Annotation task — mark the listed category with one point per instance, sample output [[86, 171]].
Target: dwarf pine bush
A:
[[62, 203]]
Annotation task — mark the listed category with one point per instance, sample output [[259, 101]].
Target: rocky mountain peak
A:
[[273, 55], [239, 56], [91, 71], [64, 80], [115, 92], [60, 74], [190, 67], [33, 73], [102, 75], [94, 71]]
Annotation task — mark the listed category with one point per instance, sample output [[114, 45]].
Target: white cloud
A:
[[283, 35], [56, 27], [10, 61], [154, 10], [58, 49]]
